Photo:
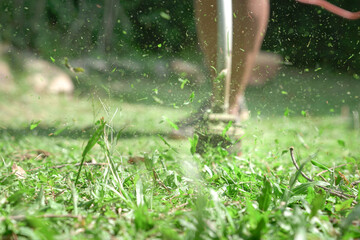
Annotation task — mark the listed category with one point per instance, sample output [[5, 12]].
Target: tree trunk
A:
[[37, 21], [110, 12]]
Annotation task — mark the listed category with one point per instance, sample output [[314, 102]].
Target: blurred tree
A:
[[309, 36], [109, 18]]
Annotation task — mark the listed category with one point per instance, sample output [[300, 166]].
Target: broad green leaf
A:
[[302, 188], [311, 194], [344, 205], [264, 199], [317, 203]]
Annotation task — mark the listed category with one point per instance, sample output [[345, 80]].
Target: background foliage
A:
[[305, 35]]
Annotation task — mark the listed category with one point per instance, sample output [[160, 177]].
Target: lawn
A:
[[137, 183]]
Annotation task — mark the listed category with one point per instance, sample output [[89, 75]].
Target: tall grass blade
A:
[[91, 143]]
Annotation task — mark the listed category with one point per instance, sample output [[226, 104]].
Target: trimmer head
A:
[[220, 130]]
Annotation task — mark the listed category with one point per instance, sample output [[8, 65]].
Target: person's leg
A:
[[250, 22]]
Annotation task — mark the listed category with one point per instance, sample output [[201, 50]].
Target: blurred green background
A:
[[132, 44], [304, 35]]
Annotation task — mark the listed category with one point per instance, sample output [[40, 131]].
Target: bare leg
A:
[[250, 22]]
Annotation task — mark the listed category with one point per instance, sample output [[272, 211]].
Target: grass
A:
[[143, 185]]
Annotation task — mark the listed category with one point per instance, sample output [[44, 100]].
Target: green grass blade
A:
[[303, 188], [139, 193], [193, 143], [34, 124], [166, 143], [75, 198], [91, 143], [172, 124], [319, 165]]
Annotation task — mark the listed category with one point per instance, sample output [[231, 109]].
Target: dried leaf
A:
[[135, 160], [343, 178], [18, 171], [43, 153], [38, 154]]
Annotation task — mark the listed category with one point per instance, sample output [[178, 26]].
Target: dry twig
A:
[[157, 179], [178, 207], [332, 168], [355, 183]]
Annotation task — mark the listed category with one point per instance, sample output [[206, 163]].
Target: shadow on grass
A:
[[320, 92], [295, 92]]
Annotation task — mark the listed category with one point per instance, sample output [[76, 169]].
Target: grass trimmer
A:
[[222, 128]]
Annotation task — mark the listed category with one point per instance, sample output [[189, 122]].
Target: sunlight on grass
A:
[[137, 183]]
